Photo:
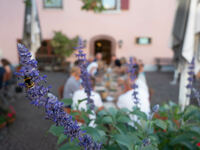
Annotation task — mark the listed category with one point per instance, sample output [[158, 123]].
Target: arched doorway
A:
[[103, 44]]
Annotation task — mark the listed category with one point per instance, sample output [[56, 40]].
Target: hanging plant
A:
[[95, 5]]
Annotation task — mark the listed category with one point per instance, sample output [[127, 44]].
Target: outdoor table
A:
[[108, 89]]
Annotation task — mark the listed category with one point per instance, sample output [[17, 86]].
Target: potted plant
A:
[[170, 129], [95, 5], [2, 121], [11, 115], [63, 47]]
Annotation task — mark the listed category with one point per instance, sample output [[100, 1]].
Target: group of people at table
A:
[[111, 85]]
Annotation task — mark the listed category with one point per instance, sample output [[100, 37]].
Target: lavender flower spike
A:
[[38, 95], [191, 76], [132, 70], [155, 108], [85, 76]]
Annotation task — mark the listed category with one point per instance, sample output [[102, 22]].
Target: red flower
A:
[[198, 144], [10, 115]]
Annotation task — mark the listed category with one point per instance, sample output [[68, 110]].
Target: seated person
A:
[[92, 68], [126, 100], [73, 83], [122, 69], [8, 70], [80, 94], [141, 71], [115, 62], [2, 72]]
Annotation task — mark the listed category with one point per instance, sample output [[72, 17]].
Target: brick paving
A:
[[29, 132]]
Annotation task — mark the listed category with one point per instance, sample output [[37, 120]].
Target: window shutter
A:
[[124, 4]]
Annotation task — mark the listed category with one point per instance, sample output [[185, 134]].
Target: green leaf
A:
[[107, 119], [126, 140], [192, 113], [96, 134], [124, 119], [189, 145], [183, 139], [67, 102], [139, 114], [111, 147], [172, 104], [112, 111], [160, 124], [69, 146], [56, 130], [102, 113], [61, 138], [195, 129], [149, 147], [82, 100], [125, 110]]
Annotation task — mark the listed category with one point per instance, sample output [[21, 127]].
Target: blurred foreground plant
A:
[[169, 129]]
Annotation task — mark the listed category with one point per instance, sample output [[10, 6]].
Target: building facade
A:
[[139, 28]]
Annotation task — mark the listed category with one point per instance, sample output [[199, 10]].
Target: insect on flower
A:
[[28, 82]]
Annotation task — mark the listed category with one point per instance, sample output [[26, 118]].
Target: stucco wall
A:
[[152, 18]]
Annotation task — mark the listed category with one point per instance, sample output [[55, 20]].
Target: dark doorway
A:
[[104, 47]]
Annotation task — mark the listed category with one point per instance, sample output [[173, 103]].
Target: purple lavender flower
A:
[[85, 76], [155, 108], [132, 68], [196, 95], [146, 142], [38, 95], [86, 142], [191, 76]]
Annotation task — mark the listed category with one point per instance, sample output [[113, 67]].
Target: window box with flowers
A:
[[105, 6]]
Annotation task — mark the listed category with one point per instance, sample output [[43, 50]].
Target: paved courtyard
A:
[[29, 132]]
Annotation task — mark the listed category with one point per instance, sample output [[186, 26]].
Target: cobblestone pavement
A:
[[29, 132]]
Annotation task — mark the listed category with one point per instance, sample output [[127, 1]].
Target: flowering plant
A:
[[39, 96], [169, 128], [7, 114], [113, 128], [2, 119], [95, 5]]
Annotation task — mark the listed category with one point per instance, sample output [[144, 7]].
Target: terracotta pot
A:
[[2, 125]]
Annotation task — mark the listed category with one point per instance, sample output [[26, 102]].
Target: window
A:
[[110, 4], [115, 5], [143, 40], [53, 3]]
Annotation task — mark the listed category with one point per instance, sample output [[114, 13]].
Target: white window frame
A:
[[117, 10]]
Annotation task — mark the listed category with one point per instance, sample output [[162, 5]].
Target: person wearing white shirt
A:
[[80, 94], [92, 68], [126, 100]]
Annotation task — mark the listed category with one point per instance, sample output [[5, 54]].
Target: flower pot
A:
[[2, 125]]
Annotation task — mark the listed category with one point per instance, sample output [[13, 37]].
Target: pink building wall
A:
[[151, 18]]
